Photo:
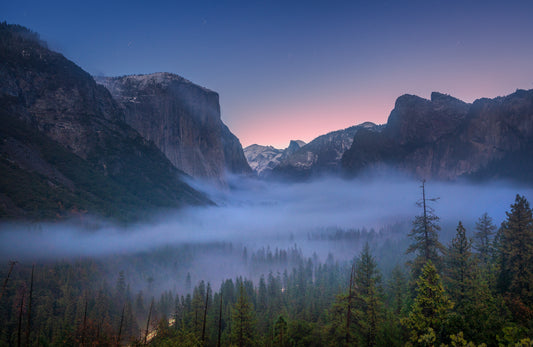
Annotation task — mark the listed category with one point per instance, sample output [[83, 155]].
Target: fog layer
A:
[[258, 213]]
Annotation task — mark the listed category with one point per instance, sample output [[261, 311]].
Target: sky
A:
[[298, 69]]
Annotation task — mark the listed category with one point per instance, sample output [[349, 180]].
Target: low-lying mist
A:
[[314, 218]]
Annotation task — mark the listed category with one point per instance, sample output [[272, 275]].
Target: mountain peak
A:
[[444, 98], [368, 125], [408, 99], [296, 144], [144, 80]]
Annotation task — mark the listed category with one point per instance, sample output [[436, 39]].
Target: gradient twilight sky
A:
[[298, 69]]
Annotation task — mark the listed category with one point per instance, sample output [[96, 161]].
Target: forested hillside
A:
[[475, 289]]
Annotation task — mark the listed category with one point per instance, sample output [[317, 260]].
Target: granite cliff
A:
[[64, 144], [445, 138], [183, 120]]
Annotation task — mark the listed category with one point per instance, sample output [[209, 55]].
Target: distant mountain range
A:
[[123, 146], [300, 161], [321, 156], [442, 138]]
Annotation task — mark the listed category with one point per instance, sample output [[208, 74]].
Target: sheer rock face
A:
[[445, 138], [65, 132], [234, 158], [44, 88], [183, 120]]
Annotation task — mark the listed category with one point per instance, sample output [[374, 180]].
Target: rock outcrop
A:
[[445, 138], [234, 158], [321, 156], [183, 120], [64, 143]]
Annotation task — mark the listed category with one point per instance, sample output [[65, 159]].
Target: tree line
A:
[[473, 291]]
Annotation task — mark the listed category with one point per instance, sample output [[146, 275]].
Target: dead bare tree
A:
[[84, 323], [205, 312], [20, 317], [349, 309], [28, 327], [11, 265], [148, 321], [219, 321], [120, 327]]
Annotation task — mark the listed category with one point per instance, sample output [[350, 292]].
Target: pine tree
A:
[[204, 321], [188, 283], [483, 313], [198, 299], [426, 245], [131, 329], [483, 238], [516, 258], [459, 267], [120, 288], [368, 301], [357, 315], [261, 307], [397, 290], [430, 309], [262, 295], [243, 320], [280, 332], [140, 310]]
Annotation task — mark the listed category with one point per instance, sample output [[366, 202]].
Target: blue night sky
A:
[[298, 69]]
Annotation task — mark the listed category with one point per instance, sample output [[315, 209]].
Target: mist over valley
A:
[[318, 218], [131, 214]]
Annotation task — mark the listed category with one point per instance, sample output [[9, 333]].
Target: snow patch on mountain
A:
[[320, 156], [263, 159]]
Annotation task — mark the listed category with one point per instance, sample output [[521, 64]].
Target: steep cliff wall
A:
[[65, 145], [445, 138], [183, 120], [235, 161]]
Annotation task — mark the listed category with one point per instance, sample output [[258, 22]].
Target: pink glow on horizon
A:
[[331, 102], [277, 126], [291, 70]]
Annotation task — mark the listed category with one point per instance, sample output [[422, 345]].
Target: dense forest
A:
[[474, 290]]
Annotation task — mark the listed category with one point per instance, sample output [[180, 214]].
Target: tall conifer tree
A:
[[426, 245], [459, 266], [430, 309], [483, 237], [243, 321], [368, 296], [516, 258]]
